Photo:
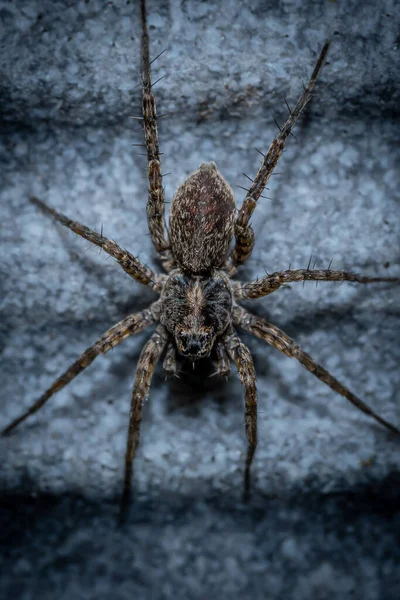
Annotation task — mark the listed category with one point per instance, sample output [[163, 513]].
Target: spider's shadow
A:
[[185, 394], [195, 384]]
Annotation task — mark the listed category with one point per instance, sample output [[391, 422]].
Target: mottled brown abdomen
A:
[[201, 222]]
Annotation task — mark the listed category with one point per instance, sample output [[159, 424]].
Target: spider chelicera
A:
[[198, 312]]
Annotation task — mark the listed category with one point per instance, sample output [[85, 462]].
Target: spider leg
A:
[[243, 232], [147, 361], [277, 338], [270, 283], [131, 265], [129, 326], [241, 356], [156, 201]]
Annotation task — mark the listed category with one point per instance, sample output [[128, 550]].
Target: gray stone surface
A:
[[324, 522]]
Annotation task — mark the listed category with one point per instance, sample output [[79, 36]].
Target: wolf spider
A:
[[198, 312]]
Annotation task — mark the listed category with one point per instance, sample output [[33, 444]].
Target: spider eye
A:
[[182, 334]]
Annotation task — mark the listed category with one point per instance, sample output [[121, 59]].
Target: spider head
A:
[[196, 310], [194, 342]]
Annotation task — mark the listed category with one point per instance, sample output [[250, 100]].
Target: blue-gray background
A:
[[324, 521]]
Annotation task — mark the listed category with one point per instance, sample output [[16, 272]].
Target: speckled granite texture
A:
[[324, 520]]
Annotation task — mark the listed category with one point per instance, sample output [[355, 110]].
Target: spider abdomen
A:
[[202, 220]]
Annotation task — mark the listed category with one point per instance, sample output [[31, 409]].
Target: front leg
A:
[[147, 361], [270, 283], [241, 356]]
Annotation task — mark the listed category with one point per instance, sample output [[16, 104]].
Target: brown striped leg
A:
[[270, 283], [125, 328], [277, 338], [131, 265], [241, 356], [243, 232], [155, 202], [144, 372]]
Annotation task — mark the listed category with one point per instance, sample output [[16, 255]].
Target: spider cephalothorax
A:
[[198, 311]]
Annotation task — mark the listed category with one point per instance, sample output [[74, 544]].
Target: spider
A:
[[198, 312]]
